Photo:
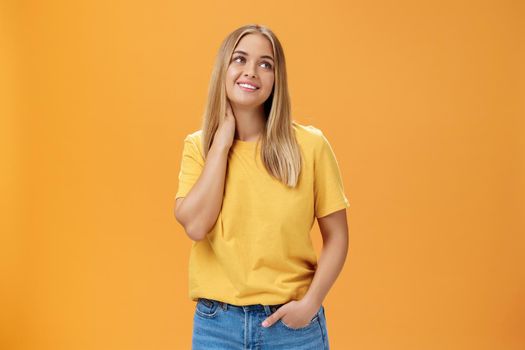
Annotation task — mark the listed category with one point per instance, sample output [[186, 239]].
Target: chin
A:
[[246, 105], [246, 102]]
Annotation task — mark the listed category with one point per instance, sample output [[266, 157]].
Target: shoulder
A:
[[194, 138], [308, 135]]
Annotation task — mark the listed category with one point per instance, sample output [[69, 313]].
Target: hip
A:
[[219, 325]]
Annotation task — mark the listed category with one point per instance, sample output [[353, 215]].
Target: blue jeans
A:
[[222, 326]]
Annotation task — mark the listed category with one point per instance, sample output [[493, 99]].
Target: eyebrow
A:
[[244, 53]]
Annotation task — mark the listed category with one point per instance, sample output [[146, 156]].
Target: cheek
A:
[[269, 82], [229, 78], [229, 81], [231, 73]]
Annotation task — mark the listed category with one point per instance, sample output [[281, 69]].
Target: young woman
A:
[[251, 183]]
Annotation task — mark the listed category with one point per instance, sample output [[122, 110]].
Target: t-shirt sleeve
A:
[[191, 167], [329, 191]]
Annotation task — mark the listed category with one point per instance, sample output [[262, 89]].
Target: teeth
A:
[[247, 86]]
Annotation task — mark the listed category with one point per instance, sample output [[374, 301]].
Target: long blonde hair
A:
[[280, 151]]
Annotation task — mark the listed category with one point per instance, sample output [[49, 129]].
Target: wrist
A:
[[220, 148], [313, 299]]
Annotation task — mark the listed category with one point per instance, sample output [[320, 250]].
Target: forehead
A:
[[255, 44]]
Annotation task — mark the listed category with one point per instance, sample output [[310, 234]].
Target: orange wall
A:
[[423, 102]]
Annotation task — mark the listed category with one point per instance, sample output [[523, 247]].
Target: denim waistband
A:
[[268, 309]]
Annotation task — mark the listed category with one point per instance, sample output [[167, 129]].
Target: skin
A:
[[247, 106], [244, 121], [298, 313], [198, 211]]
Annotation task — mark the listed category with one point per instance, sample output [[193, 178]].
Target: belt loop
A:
[[224, 306], [267, 309]]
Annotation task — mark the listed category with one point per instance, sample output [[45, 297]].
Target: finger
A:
[[272, 318]]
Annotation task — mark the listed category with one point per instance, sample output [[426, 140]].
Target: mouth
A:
[[247, 87]]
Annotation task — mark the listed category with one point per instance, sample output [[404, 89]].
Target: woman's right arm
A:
[[198, 211]]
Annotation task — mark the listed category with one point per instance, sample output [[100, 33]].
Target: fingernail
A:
[[265, 324]]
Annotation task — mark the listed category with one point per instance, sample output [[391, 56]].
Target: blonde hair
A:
[[279, 151]]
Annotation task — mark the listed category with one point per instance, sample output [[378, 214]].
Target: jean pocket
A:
[[310, 324], [207, 307]]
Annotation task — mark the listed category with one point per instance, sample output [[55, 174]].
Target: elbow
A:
[[195, 227], [194, 233], [193, 230], [185, 225]]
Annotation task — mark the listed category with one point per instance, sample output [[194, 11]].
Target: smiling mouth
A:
[[247, 87]]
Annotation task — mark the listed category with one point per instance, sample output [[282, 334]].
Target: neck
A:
[[249, 122]]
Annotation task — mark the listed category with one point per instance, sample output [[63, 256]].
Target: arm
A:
[[335, 247], [198, 211], [334, 229]]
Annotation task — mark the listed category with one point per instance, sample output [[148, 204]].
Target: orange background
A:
[[422, 101]]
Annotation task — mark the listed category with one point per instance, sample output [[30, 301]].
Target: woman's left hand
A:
[[296, 314]]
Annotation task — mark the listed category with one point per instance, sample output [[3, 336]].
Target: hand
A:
[[295, 314], [226, 130]]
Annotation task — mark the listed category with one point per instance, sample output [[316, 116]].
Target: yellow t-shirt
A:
[[259, 250]]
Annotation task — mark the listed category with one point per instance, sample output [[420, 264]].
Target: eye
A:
[[236, 58], [269, 65], [242, 58]]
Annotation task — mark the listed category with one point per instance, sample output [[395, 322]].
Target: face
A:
[[252, 63]]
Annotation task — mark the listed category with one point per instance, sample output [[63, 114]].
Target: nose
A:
[[250, 71]]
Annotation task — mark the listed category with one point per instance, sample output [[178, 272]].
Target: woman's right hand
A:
[[226, 130]]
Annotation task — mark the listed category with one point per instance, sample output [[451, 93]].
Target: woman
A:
[[251, 183]]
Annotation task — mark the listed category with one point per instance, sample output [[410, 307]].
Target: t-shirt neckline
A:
[[244, 144]]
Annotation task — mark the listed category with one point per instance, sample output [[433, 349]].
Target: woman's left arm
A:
[[334, 229]]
